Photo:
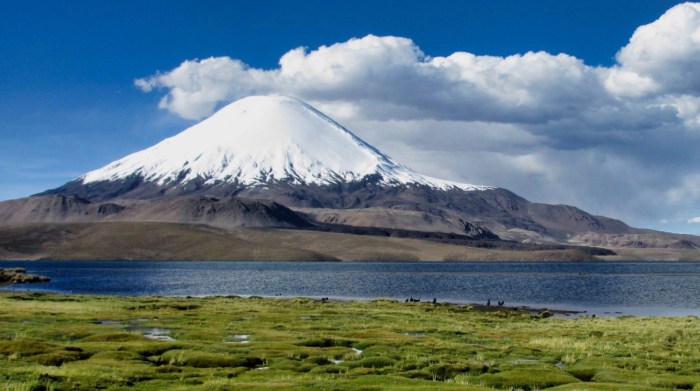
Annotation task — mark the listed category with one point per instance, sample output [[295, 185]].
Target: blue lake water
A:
[[611, 288]]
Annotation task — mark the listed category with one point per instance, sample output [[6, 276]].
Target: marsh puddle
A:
[[153, 333], [414, 334], [106, 322], [357, 351], [239, 339]]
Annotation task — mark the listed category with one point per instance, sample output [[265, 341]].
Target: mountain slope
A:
[[220, 212], [281, 150]]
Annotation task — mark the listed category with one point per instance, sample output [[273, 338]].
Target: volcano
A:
[[253, 142], [275, 161]]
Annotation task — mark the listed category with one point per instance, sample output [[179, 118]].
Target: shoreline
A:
[[365, 261], [534, 310]]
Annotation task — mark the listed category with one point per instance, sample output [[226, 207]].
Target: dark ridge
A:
[[109, 209], [487, 240]]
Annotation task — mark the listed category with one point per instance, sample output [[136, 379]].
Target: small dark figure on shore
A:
[[488, 303], [406, 300], [500, 303], [434, 300]]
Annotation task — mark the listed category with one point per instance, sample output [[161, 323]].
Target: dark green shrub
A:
[[442, 372], [328, 369], [56, 359], [528, 379], [373, 362], [326, 343], [26, 347], [116, 337], [318, 360], [583, 373], [209, 360], [417, 374]]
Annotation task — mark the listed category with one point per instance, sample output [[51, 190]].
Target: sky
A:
[[594, 104]]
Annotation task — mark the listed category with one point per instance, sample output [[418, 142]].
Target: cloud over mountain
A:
[[617, 140]]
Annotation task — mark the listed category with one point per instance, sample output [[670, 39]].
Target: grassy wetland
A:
[[59, 342]]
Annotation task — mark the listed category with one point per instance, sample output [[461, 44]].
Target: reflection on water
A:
[[640, 288]]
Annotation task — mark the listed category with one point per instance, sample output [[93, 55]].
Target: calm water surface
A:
[[645, 288]]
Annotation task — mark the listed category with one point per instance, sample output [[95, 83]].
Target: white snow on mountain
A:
[[262, 139]]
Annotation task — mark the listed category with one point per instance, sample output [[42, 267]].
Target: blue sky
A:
[[68, 102]]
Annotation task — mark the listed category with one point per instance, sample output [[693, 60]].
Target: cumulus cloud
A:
[[618, 140], [391, 78], [663, 55], [694, 220], [197, 87]]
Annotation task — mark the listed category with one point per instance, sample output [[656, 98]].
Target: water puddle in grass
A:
[[560, 365], [262, 368], [153, 333], [357, 351], [239, 339], [337, 361], [415, 334], [106, 322]]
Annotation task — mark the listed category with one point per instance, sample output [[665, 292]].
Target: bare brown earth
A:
[[226, 212], [491, 215], [653, 254], [642, 239], [169, 241]]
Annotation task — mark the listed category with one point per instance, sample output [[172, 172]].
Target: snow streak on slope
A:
[[263, 139]]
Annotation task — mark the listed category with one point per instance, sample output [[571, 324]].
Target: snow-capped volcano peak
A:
[[263, 139]]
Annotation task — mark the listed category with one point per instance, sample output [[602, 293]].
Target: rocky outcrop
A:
[[19, 275]]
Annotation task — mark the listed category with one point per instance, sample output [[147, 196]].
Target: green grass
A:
[[57, 342]]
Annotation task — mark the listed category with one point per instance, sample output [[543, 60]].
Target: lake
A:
[[601, 288]]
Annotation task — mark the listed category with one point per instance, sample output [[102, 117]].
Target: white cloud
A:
[[628, 84], [196, 87], [619, 141], [390, 78], [664, 55], [694, 220]]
